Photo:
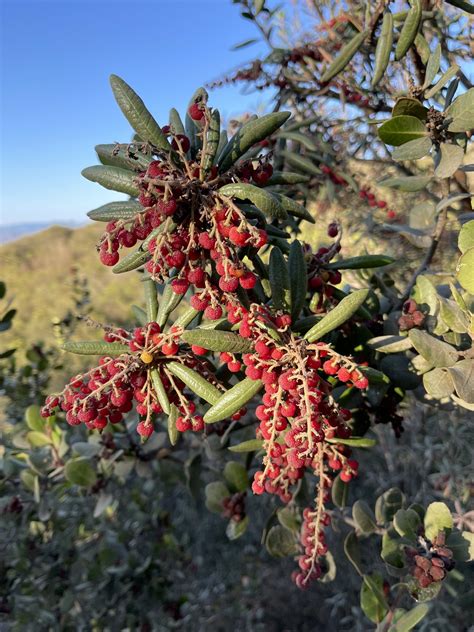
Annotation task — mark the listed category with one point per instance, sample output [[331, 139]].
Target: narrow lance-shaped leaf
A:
[[133, 160], [279, 279], [252, 445], [339, 315], [383, 48], [248, 135], [176, 124], [293, 208], [445, 77], [432, 66], [113, 178], [137, 114], [362, 262], [169, 301], [462, 4], [95, 348], [132, 261], [408, 620], [195, 382], [301, 162], [233, 400], [409, 29], [298, 278], [262, 199], [151, 299], [160, 391], [116, 211], [172, 430], [344, 57], [212, 141], [217, 340], [286, 177], [186, 317]]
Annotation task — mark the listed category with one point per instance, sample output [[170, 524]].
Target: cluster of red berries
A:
[[333, 176], [411, 316], [190, 229], [107, 392], [234, 507], [431, 561], [352, 96], [366, 194], [321, 280], [297, 416]]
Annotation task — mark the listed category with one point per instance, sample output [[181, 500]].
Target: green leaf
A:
[[280, 542], [423, 216], [236, 529], [388, 504], [95, 348], [301, 163], [409, 29], [293, 208], [29, 479], [455, 318], [113, 178], [176, 124], [80, 472], [362, 262], [438, 383], [372, 599], [248, 135], [466, 237], [363, 517], [462, 4], [347, 53], [401, 129], [195, 382], [119, 157], [450, 158], [437, 352], [437, 518], [390, 344], [351, 549], [132, 261], [432, 67], [447, 76], [116, 210], [169, 301], [236, 475], [244, 44], [383, 48], [160, 391], [252, 445], [186, 317], [137, 114], [38, 439], [409, 184], [217, 340], [413, 150], [410, 107], [288, 519], [173, 432], [298, 137], [233, 400], [339, 492], [339, 315], [298, 278], [462, 375], [263, 200], [408, 621], [216, 493], [212, 143], [33, 418], [406, 523], [461, 111], [355, 442], [286, 178], [462, 545], [465, 270], [151, 299], [279, 278]]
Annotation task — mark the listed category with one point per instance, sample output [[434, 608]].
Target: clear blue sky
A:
[[56, 103]]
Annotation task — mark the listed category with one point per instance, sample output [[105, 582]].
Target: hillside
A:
[[38, 271]]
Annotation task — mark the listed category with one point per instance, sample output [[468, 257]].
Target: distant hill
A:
[[38, 271], [10, 232]]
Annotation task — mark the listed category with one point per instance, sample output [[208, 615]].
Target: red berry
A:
[[196, 112]]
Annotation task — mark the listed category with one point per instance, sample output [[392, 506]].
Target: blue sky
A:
[[56, 103]]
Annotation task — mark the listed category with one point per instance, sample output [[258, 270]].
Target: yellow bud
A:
[[146, 357]]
